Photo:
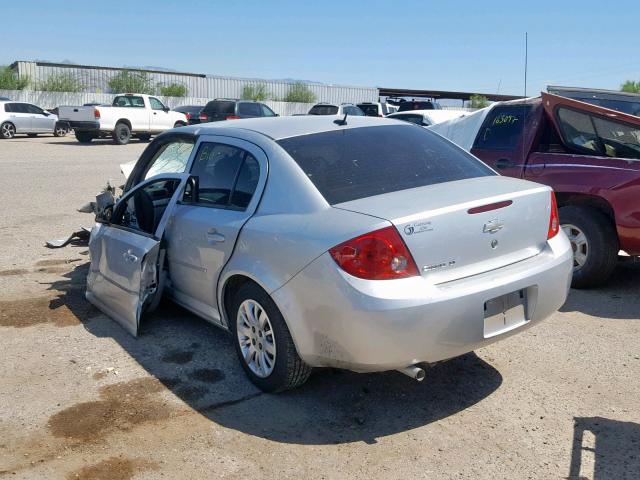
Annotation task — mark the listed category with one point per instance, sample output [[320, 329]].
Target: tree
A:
[[630, 86], [132, 82], [173, 90], [478, 101], [61, 82], [9, 79], [299, 93], [256, 92]]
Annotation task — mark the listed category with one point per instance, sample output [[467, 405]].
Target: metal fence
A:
[[96, 79], [49, 100]]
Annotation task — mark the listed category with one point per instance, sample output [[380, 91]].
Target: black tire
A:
[[60, 131], [32, 135], [144, 137], [289, 370], [121, 134], [179, 124], [84, 137], [602, 241], [7, 130]]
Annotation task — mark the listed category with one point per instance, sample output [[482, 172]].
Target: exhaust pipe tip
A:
[[414, 372]]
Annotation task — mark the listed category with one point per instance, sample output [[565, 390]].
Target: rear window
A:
[[369, 109], [355, 163], [220, 107], [404, 106], [128, 101], [193, 109], [323, 110]]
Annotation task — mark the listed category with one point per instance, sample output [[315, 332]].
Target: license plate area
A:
[[505, 313]]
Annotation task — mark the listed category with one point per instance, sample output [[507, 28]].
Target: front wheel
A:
[[7, 130], [121, 134], [263, 341], [594, 242], [60, 131]]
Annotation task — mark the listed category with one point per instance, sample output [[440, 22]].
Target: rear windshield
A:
[[323, 110], [368, 109], [220, 107], [404, 106], [355, 163], [189, 109]]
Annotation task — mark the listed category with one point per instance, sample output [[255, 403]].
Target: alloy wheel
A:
[[579, 245], [8, 130], [256, 339]]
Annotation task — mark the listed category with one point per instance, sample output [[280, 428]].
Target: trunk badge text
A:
[[493, 226], [417, 227]]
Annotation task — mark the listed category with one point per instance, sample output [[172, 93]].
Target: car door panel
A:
[[201, 239], [126, 265], [21, 118]]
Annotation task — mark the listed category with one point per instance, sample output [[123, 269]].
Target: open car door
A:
[[127, 251], [593, 130]]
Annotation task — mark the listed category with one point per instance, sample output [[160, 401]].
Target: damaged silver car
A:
[[358, 243]]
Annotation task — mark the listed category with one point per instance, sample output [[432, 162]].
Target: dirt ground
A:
[[80, 398]]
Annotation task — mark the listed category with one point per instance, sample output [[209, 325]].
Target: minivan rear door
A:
[[127, 254]]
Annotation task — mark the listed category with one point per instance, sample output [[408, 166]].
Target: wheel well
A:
[[125, 121], [230, 287], [582, 200], [180, 123]]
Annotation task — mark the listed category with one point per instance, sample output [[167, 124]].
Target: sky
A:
[[442, 45]]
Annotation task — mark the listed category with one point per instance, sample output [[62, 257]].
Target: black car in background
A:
[[229, 109], [418, 105], [193, 113]]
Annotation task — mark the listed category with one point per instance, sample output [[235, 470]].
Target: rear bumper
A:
[[83, 126], [340, 321]]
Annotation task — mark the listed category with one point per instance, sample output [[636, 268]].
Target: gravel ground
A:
[[80, 398]]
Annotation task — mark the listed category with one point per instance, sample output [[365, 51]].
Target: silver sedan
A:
[[365, 244]]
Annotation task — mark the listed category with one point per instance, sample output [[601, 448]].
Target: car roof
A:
[[278, 128]]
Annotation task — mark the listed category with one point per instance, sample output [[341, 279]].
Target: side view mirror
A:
[[104, 207], [191, 190], [166, 109]]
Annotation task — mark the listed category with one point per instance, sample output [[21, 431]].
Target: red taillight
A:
[[203, 117], [232, 117], [379, 255], [554, 219], [96, 113], [188, 115]]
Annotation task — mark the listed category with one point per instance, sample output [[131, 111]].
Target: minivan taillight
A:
[[554, 219], [188, 115], [96, 113], [379, 255], [203, 117], [232, 117]]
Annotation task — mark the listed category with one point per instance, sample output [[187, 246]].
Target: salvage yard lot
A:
[[80, 398]]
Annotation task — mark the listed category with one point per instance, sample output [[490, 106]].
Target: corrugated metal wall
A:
[[96, 79]]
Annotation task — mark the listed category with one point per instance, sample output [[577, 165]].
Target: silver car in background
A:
[[25, 118], [369, 245]]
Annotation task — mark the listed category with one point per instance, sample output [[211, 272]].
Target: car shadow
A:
[[197, 362], [617, 299], [94, 143], [604, 448]]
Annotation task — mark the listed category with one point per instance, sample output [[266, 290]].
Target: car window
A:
[[251, 109], [323, 110], [599, 136], [266, 111], [128, 101], [370, 110], [33, 109], [172, 158], [17, 108], [356, 163], [221, 170], [155, 104], [417, 119], [502, 128], [355, 111]]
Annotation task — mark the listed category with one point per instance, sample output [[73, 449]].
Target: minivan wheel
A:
[[7, 130], [263, 341], [594, 243], [121, 134]]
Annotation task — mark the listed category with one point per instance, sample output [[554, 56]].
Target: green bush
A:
[[61, 82], [299, 93], [9, 80], [478, 101], [129, 81], [173, 90], [630, 86], [257, 92]]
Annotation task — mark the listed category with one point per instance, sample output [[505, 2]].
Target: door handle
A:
[[129, 257], [505, 163], [214, 237], [155, 113]]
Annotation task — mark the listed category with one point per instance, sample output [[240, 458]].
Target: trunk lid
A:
[[466, 227]]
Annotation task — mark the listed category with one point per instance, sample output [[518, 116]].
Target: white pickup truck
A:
[[130, 115]]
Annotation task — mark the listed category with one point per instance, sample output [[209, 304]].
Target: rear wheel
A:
[[594, 243], [84, 137], [60, 131], [263, 342], [7, 130], [121, 134]]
